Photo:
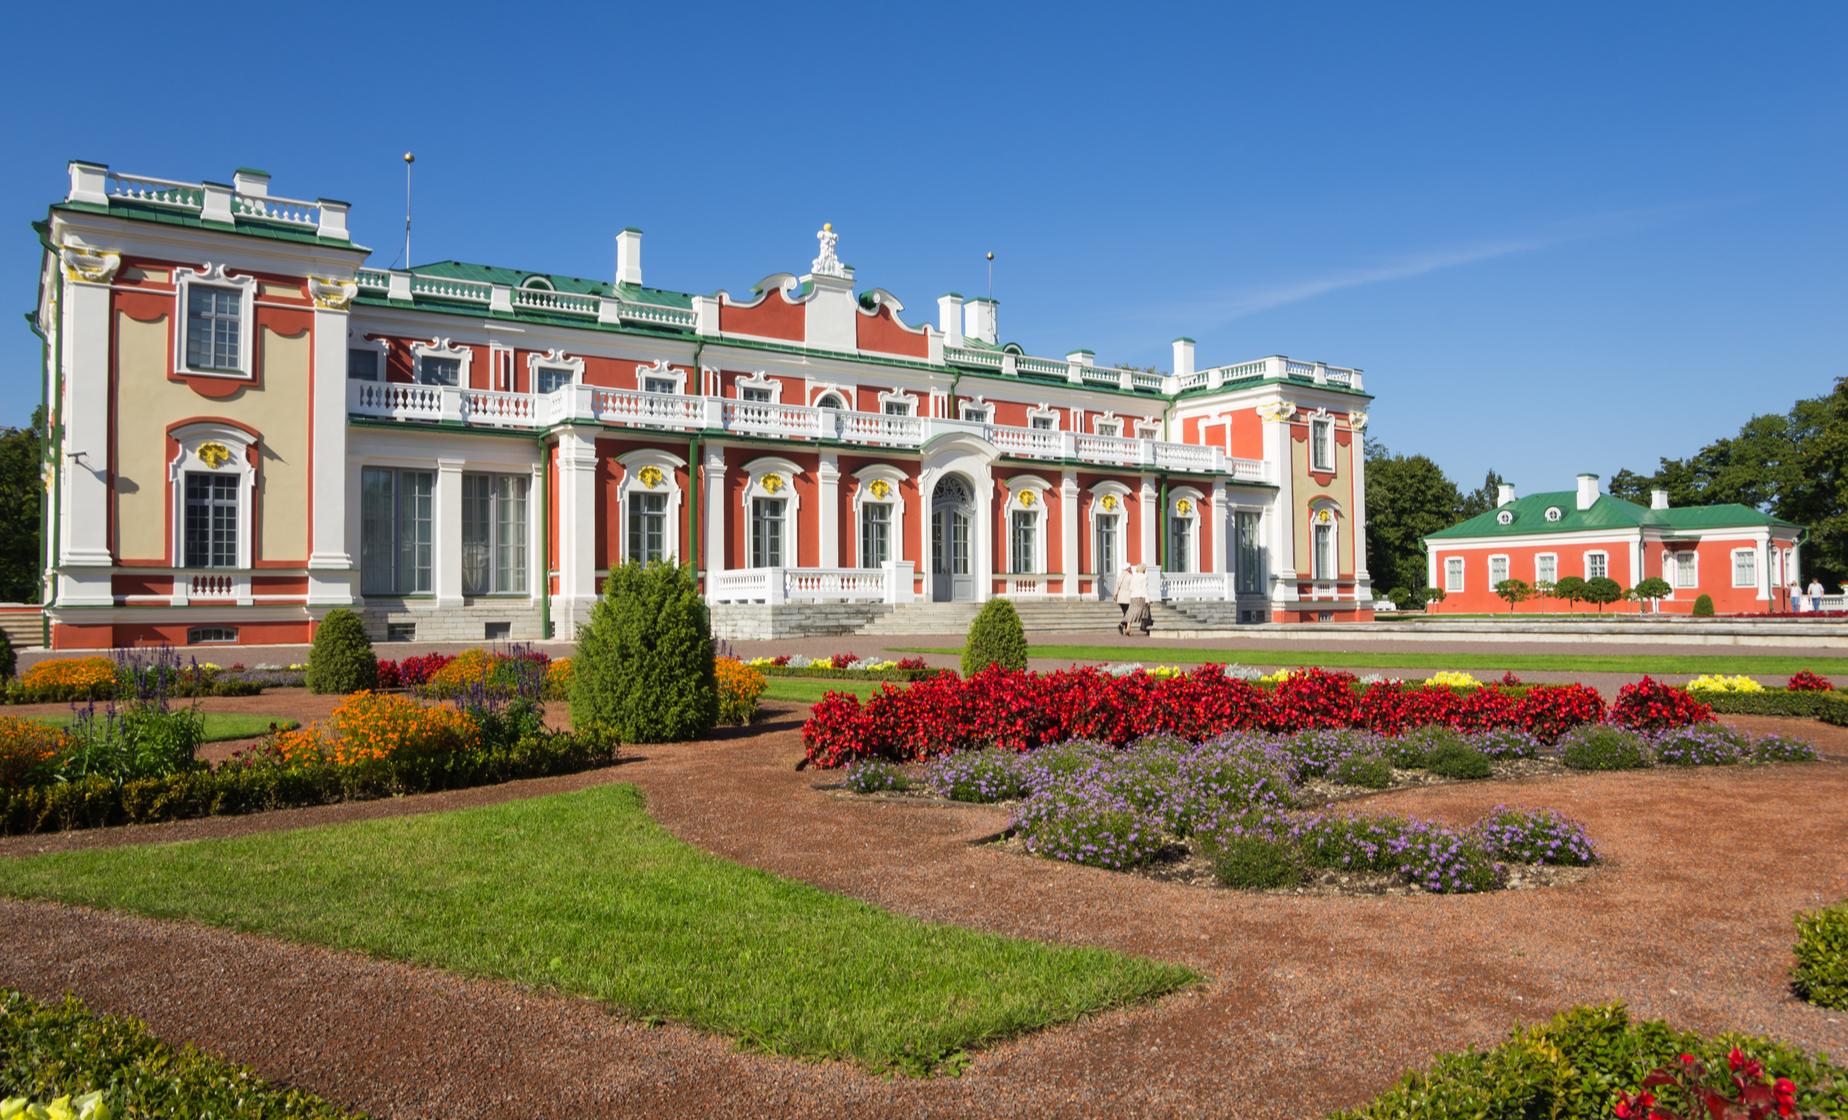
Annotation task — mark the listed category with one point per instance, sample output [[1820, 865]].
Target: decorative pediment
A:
[[330, 294]]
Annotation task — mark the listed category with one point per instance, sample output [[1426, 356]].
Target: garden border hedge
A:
[[1830, 707]]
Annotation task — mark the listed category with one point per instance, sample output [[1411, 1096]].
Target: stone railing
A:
[[889, 584], [247, 201], [1215, 586]]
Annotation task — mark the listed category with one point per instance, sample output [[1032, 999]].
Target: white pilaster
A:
[[1363, 579], [577, 529], [1278, 453], [1216, 526], [83, 524], [330, 563], [828, 491], [712, 492], [1148, 517], [446, 534], [1068, 531]]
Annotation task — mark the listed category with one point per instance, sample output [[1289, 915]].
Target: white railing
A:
[[1026, 586], [150, 191], [882, 429], [1185, 457], [1027, 443], [747, 585], [1830, 602], [770, 419], [990, 359], [656, 315], [890, 584], [1246, 470], [1197, 585], [500, 410], [556, 303], [272, 208], [395, 400], [1117, 450], [443, 287], [645, 410], [209, 585], [1043, 366], [373, 279], [834, 585]]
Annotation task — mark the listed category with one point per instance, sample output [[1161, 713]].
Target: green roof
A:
[[515, 277], [1608, 512]]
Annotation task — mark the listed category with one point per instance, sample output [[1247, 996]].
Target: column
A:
[[1068, 531], [1280, 529], [1147, 517], [446, 535], [84, 464], [828, 492], [577, 529], [1363, 580], [712, 492], [330, 563], [1221, 562]]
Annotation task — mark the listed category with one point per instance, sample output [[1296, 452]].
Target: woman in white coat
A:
[[1122, 598], [1139, 617]]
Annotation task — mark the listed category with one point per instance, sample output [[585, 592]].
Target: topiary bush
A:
[[643, 672], [341, 659], [1703, 606], [995, 638], [1821, 975]]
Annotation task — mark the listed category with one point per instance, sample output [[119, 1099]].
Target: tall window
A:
[[1498, 570], [213, 326], [1745, 567], [1597, 565], [875, 534], [1684, 569], [1180, 544], [1250, 553], [1023, 537], [1546, 568], [1323, 550], [767, 532], [211, 520], [493, 534], [394, 539], [363, 365], [1322, 445], [1453, 574], [547, 379], [439, 371], [647, 527]]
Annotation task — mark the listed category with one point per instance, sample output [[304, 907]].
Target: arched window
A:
[[1324, 542]]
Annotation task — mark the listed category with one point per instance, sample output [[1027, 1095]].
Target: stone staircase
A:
[[22, 625], [1073, 618]]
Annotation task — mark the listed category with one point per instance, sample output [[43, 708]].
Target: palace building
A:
[[1742, 558], [247, 427]]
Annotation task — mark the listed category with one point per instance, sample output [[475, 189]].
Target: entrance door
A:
[[952, 510], [1104, 549]]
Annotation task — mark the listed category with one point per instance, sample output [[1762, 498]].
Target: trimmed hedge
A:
[[234, 788], [9, 661], [61, 1049], [899, 675], [1703, 606], [341, 659], [1821, 975], [644, 668], [1573, 1067], [1779, 702]]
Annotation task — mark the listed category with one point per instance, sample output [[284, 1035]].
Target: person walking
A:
[[1122, 599], [1815, 594], [1139, 616], [1796, 596]]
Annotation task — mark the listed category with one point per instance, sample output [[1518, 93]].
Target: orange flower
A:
[[26, 745]]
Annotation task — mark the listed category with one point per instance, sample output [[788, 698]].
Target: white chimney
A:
[[1504, 494], [252, 183], [1658, 499], [1587, 491], [979, 320], [950, 318], [1183, 356], [629, 257]]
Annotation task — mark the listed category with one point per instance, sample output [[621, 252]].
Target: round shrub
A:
[[1367, 770], [1254, 863], [1703, 606], [644, 668], [1458, 760], [1821, 975], [1602, 747], [341, 659], [995, 638]]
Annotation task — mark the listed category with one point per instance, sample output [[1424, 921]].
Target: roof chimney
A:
[[1587, 491], [1658, 498], [950, 318], [1504, 493], [629, 257], [1183, 356], [979, 320]]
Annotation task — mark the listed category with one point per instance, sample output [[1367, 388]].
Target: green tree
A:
[[1435, 594], [1512, 591], [1602, 590], [643, 670], [1570, 590], [1652, 590], [341, 659], [22, 490], [1481, 499], [1408, 497], [995, 638]]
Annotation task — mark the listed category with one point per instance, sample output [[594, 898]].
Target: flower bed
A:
[[740, 687], [844, 666], [129, 673]]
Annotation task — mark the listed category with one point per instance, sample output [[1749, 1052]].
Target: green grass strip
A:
[[807, 690], [584, 893], [1150, 653], [219, 726]]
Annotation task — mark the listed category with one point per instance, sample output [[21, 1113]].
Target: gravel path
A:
[[1312, 1003]]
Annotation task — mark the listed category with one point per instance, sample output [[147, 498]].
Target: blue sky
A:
[[1557, 237]]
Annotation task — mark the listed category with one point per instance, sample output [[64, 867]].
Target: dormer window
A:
[[1505, 517], [1553, 513]]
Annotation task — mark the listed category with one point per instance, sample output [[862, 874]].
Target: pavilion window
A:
[[493, 534], [647, 527], [875, 534], [211, 520], [1023, 540], [214, 327], [394, 550], [767, 517]]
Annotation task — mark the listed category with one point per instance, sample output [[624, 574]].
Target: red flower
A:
[[1735, 1058]]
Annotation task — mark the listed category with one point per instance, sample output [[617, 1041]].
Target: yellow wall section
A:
[[1308, 491], [146, 403]]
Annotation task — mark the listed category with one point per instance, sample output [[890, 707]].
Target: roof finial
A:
[[828, 264]]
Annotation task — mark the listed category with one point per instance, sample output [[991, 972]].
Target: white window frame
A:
[[1602, 554], [1147, 429], [193, 639], [1334, 527], [1123, 495], [760, 380], [1107, 424], [1456, 572], [214, 276], [494, 517], [380, 346], [756, 471], [441, 348], [895, 499], [964, 409], [190, 438], [908, 401], [1554, 513], [1507, 568], [1036, 509], [843, 403], [553, 359], [660, 370], [632, 465], [819, 389], [1686, 559], [1538, 580], [1043, 412], [1752, 553], [1322, 441], [1196, 501]]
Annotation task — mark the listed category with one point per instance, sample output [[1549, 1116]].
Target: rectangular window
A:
[[1546, 569], [547, 379], [1044, 423], [211, 520], [213, 327], [1323, 552], [211, 635], [976, 413], [394, 545], [875, 535], [363, 365], [439, 371], [658, 385], [1250, 576], [1023, 531], [1597, 565], [493, 534], [1180, 544], [1108, 427], [1453, 574], [767, 532], [647, 527], [1498, 570], [897, 408], [755, 394], [1682, 569], [1322, 445], [1745, 567]]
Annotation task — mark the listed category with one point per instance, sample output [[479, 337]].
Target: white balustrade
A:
[[1028, 443], [499, 410], [211, 586], [1026, 586], [395, 400], [1185, 457], [647, 410], [1246, 470], [882, 429], [1115, 450], [272, 208], [443, 287], [373, 280], [150, 191], [656, 315], [786, 420], [889, 584], [747, 585], [556, 303], [834, 585], [1196, 585]]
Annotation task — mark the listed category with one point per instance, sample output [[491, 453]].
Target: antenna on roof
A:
[[991, 275], [409, 159]]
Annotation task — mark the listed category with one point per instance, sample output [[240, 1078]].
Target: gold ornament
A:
[[880, 488], [1324, 517], [1110, 503], [214, 455], [772, 483], [1184, 507], [650, 476], [1026, 498]]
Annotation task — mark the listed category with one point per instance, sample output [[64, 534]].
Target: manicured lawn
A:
[[807, 690], [1772, 665], [219, 726], [584, 893]]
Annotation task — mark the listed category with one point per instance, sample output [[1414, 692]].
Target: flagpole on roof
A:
[[409, 159]]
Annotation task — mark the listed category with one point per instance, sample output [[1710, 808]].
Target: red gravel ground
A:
[[1312, 1003]]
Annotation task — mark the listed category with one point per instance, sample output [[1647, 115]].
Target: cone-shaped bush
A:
[[1703, 606], [643, 669], [341, 659], [995, 638]]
